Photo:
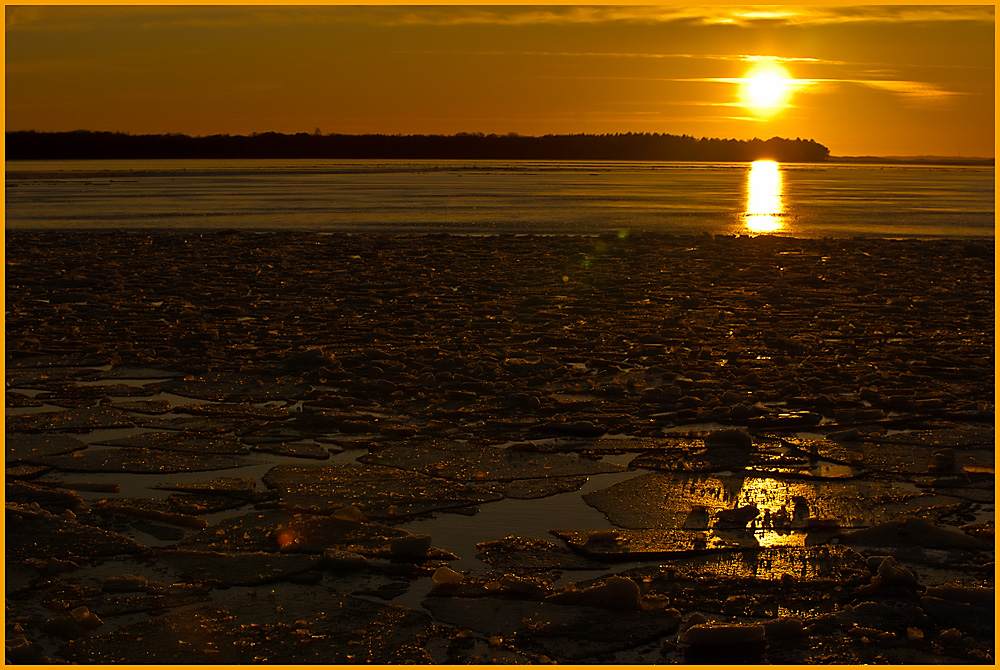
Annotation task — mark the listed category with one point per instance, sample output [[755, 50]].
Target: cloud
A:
[[82, 17], [912, 91], [747, 58], [818, 14]]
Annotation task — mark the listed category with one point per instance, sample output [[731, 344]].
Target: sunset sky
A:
[[862, 79]]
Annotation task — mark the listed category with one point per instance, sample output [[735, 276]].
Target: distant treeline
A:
[[83, 144]]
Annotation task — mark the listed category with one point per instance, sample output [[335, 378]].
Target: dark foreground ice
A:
[[301, 448]]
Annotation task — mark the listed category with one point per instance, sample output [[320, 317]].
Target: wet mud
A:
[[229, 448]]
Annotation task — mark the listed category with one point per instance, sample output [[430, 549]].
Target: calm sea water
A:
[[486, 197]]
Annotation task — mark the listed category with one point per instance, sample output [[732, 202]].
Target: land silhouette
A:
[[83, 144]]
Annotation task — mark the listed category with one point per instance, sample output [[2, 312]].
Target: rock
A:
[[736, 518], [740, 413], [949, 636], [350, 513], [729, 437], [79, 622], [849, 435], [617, 593], [445, 575], [693, 620], [697, 518]]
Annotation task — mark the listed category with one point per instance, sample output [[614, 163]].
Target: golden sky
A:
[[862, 79]]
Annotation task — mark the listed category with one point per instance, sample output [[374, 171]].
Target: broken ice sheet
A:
[[78, 420], [435, 458], [234, 569], [230, 388], [529, 489], [184, 504], [530, 553], [94, 392], [278, 531], [300, 449], [142, 461], [174, 441], [570, 633], [834, 563], [24, 446], [55, 499], [38, 534], [512, 474], [139, 373], [144, 406], [240, 410], [379, 492], [296, 625], [918, 459], [767, 582], [216, 425], [945, 437], [694, 455], [667, 500], [650, 544], [243, 488], [600, 446], [910, 531]]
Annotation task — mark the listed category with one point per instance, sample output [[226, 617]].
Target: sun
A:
[[766, 89]]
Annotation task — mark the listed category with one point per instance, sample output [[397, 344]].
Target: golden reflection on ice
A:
[[764, 205], [783, 510]]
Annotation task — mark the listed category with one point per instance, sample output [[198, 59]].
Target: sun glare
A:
[[764, 204], [766, 89]]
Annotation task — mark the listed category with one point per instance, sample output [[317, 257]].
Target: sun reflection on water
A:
[[765, 208]]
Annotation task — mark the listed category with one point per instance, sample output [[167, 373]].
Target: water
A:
[[489, 197]]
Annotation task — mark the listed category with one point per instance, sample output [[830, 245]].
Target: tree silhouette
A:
[[83, 144]]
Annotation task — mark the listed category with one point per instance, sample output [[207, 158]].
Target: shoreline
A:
[[417, 234], [798, 436]]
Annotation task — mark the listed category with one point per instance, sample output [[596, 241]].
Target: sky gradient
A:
[[865, 79]]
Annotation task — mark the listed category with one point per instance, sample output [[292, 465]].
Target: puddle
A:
[[460, 534]]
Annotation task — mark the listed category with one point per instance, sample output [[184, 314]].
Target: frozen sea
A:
[[491, 197]]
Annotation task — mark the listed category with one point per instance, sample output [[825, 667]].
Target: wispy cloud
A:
[[746, 58], [913, 91], [82, 17], [818, 14]]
